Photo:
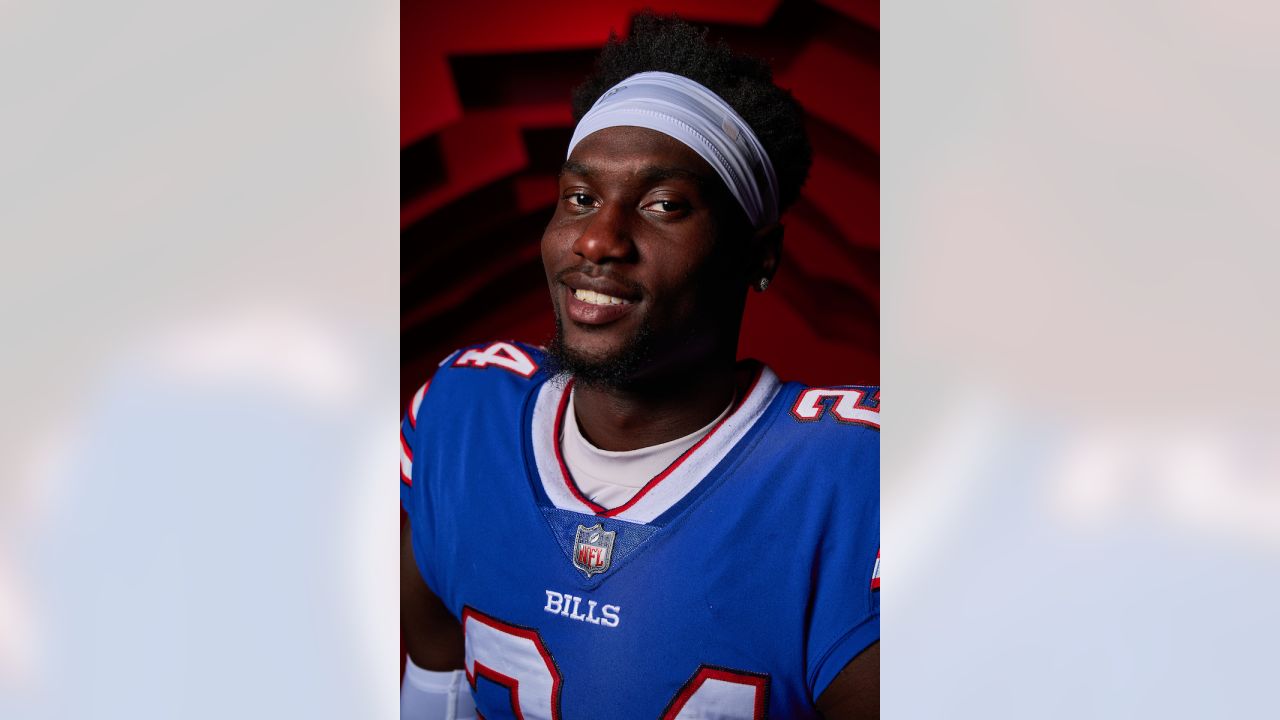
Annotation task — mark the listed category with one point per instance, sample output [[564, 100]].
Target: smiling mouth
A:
[[592, 297], [591, 308]]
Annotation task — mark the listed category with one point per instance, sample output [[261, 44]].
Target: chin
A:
[[606, 364]]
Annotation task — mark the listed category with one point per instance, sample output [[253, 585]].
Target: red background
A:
[[485, 122]]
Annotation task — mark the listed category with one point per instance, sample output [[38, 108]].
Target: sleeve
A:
[[415, 499], [846, 600], [408, 446]]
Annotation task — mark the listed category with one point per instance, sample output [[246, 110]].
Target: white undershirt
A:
[[611, 478]]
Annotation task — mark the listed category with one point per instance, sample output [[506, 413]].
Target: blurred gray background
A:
[[198, 211]]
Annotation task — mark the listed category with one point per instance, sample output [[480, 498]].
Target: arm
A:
[[432, 636], [855, 693], [434, 686]]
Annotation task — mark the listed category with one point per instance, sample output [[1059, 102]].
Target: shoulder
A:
[[826, 431], [482, 370], [517, 359], [838, 410]]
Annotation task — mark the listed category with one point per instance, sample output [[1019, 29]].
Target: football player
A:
[[633, 523]]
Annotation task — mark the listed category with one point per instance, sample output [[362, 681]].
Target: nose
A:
[[607, 237]]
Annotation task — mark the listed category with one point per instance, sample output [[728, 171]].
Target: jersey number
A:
[[516, 658], [847, 404], [504, 355]]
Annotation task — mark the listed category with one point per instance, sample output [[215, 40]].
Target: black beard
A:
[[614, 371]]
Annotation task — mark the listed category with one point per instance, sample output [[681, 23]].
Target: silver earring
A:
[[764, 284]]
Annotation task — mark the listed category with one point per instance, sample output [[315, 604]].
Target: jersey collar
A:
[[666, 488]]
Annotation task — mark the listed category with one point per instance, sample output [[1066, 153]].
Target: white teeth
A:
[[595, 298]]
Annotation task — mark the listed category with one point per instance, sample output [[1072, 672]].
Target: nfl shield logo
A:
[[593, 549]]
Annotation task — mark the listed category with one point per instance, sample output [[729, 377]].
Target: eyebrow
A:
[[649, 173]]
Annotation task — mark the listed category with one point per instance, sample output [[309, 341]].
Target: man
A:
[[632, 524]]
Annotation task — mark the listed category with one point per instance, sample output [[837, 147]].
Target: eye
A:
[[665, 207], [580, 200]]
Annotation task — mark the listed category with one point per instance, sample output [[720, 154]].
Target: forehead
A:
[[633, 151]]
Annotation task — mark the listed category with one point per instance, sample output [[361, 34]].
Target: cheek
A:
[[546, 254], [554, 245], [695, 290], [715, 287]]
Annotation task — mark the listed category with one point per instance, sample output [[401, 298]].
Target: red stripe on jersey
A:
[[406, 458], [600, 510], [556, 428], [404, 446], [417, 403]]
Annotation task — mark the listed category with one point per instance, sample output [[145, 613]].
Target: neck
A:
[[655, 411]]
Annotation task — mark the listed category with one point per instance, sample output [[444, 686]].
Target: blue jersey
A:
[[735, 584]]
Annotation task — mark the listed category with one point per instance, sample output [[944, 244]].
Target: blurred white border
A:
[[1080, 447], [199, 208]]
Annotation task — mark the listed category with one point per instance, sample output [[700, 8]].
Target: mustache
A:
[[594, 271]]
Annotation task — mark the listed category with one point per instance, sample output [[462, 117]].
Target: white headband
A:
[[689, 112]]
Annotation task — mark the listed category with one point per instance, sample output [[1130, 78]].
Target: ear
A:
[[765, 255]]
